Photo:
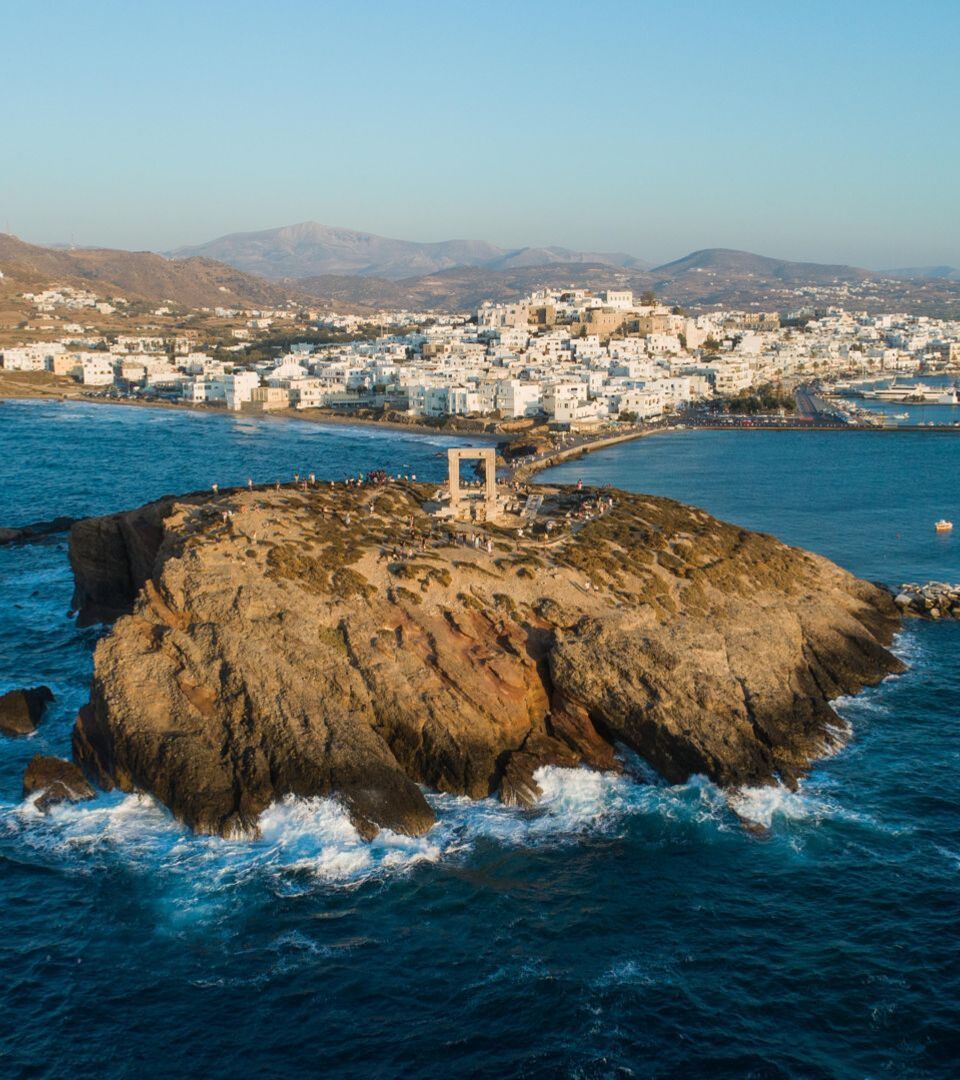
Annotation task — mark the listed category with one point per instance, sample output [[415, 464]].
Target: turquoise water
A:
[[622, 928]]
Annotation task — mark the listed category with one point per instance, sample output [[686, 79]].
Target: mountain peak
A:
[[311, 249]]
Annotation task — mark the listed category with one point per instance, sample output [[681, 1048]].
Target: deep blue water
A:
[[623, 928]]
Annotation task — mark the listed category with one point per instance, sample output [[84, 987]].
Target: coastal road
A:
[[817, 408]]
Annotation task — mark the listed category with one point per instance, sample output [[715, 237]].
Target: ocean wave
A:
[[908, 646], [306, 843], [314, 837], [810, 803], [761, 805]]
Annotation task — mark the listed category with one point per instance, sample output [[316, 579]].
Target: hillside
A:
[[721, 277], [703, 280], [731, 264], [311, 250], [948, 273], [135, 274], [464, 288]]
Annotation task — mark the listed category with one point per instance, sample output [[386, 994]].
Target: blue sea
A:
[[622, 928]]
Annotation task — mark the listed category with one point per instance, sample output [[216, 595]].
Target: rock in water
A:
[[56, 780], [22, 710], [36, 530], [284, 642]]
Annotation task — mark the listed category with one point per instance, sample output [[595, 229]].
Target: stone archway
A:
[[459, 504]]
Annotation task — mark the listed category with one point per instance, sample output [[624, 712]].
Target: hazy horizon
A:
[[820, 135], [504, 244], [67, 244]]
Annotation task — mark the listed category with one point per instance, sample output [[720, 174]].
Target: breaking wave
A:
[[306, 843]]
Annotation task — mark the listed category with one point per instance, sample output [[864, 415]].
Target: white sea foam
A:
[[306, 842], [760, 805], [314, 836], [810, 803]]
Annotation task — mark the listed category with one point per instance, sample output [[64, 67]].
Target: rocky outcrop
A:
[[336, 641], [36, 530], [56, 780], [22, 710], [935, 600]]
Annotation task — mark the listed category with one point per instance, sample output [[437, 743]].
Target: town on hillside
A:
[[575, 358]]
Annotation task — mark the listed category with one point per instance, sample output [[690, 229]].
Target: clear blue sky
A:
[[811, 130]]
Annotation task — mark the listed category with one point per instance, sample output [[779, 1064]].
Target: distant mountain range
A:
[[312, 250], [374, 272]]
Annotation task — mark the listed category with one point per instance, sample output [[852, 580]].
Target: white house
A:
[[516, 398], [239, 387]]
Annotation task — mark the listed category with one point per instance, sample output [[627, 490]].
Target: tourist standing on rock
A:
[[216, 488]]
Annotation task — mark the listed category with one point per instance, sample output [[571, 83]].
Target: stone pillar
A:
[[453, 479], [490, 475]]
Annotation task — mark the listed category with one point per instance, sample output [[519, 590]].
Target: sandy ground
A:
[[36, 384]]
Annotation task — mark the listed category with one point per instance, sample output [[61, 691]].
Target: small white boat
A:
[[943, 525]]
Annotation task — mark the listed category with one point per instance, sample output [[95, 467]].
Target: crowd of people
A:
[[587, 506]]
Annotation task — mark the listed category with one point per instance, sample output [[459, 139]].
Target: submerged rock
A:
[[286, 643], [22, 710], [36, 530], [57, 781]]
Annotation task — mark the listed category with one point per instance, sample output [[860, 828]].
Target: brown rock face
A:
[[57, 781], [295, 648], [21, 710], [112, 557]]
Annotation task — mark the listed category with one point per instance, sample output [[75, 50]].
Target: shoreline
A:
[[522, 473], [308, 416]]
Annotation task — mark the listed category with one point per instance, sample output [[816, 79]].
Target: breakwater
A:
[[935, 600], [578, 449]]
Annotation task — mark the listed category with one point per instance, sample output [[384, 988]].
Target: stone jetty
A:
[[935, 600]]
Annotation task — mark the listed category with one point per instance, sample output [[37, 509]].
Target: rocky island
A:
[[347, 640]]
